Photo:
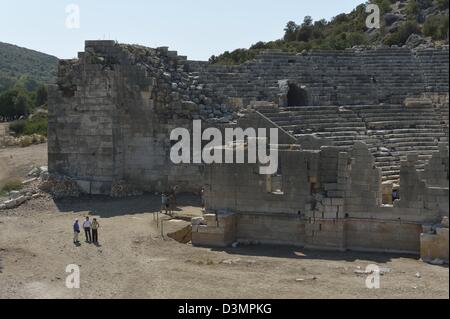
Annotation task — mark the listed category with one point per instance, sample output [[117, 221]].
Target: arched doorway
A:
[[297, 96]]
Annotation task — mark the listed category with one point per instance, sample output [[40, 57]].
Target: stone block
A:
[[101, 188], [85, 186]]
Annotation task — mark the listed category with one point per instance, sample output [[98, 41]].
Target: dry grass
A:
[[11, 185]]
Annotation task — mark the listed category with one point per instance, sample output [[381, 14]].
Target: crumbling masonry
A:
[[354, 125]]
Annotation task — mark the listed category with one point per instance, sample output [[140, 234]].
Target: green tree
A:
[[436, 27], [41, 96], [442, 4], [26, 83], [384, 5], [290, 31], [413, 9], [14, 104], [307, 22]]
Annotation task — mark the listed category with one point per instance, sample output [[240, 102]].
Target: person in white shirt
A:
[[87, 229]]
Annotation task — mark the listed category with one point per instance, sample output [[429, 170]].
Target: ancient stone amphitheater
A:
[[373, 114]]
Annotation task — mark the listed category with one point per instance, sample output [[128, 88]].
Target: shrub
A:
[[18, 126], [401, 36], [385, 5], [436, 27], [12, 185], [442, 4], [347, 30], [37, 124], [26, 141], [413, 9]]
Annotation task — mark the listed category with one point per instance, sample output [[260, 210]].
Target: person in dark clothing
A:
[[95, 227], [395, 195]]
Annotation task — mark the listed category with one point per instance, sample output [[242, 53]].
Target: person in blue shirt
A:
[[76, 232], [164, 203]]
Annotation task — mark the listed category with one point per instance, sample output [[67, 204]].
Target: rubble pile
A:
[[59, 186], [23, 141]]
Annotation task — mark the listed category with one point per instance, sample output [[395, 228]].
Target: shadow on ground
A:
[[107, 207], [306, 254]]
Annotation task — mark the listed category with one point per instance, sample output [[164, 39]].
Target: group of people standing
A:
[[168, 204], [90, 230]]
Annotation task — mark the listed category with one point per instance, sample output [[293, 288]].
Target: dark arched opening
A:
[[297, 96]]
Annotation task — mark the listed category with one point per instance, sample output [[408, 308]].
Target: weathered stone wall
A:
[[436, 172], [364, 181], [434, 243], [81, 117], [240, 187], [415, 193], [327, 199], [110, 118], [284, 229], [216, 231]]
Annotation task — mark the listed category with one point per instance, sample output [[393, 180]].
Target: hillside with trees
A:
[[16, 62], [404, 22], [24, 74]]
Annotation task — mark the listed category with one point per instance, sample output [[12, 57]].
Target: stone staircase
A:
[[399, 131], [340, 125], [434, 65], [391, 131], [343, 77]]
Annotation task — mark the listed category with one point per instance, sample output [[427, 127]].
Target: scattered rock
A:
[[13, 203], [196, 221], [231, 261], [416, 41], [14, 194], [437, 262], [34, 172], [384, 271], [381, 271], [29, 181], [445, 222]]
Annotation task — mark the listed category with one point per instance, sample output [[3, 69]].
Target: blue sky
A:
[[196, 28]]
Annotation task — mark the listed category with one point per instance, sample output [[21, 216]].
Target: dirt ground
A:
[[134, 260], [16, 162]]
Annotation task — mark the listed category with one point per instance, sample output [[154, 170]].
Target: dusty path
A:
[[134, 261], [16, 162]]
